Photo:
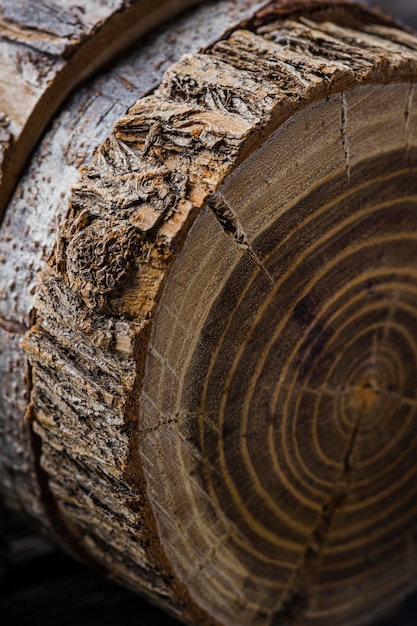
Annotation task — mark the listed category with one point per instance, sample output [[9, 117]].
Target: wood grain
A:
[[269, 172], [28, 233]]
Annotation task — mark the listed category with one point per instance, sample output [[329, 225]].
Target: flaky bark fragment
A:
[[151, 350]]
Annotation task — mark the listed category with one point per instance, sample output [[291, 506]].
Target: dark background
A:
[[41, 585]]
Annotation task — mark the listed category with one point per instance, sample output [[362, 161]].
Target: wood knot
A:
[[99, 259]]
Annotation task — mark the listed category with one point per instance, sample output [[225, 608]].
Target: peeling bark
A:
[[48, 48], [203, 419]]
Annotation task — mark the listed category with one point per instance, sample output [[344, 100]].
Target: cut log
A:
[[221, 396]]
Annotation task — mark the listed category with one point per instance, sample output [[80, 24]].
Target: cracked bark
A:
[[45, 51], [224, 292]]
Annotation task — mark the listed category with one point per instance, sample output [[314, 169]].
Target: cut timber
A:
[[223, 347], [28, 232], [46, 48]]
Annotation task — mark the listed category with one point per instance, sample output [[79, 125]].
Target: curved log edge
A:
[[168, 166], [28, 232], [48, 48]]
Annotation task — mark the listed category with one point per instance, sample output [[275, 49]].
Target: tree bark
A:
[[405, 10], [210, 325], [46, 49]]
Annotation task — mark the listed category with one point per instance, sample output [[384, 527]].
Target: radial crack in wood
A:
[[299, 594]]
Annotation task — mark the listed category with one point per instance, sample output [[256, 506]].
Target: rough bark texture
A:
[[183, 283], [46, 48], [28, 233]]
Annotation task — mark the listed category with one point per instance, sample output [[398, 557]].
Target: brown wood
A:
[[49, 47], [219, 320]]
